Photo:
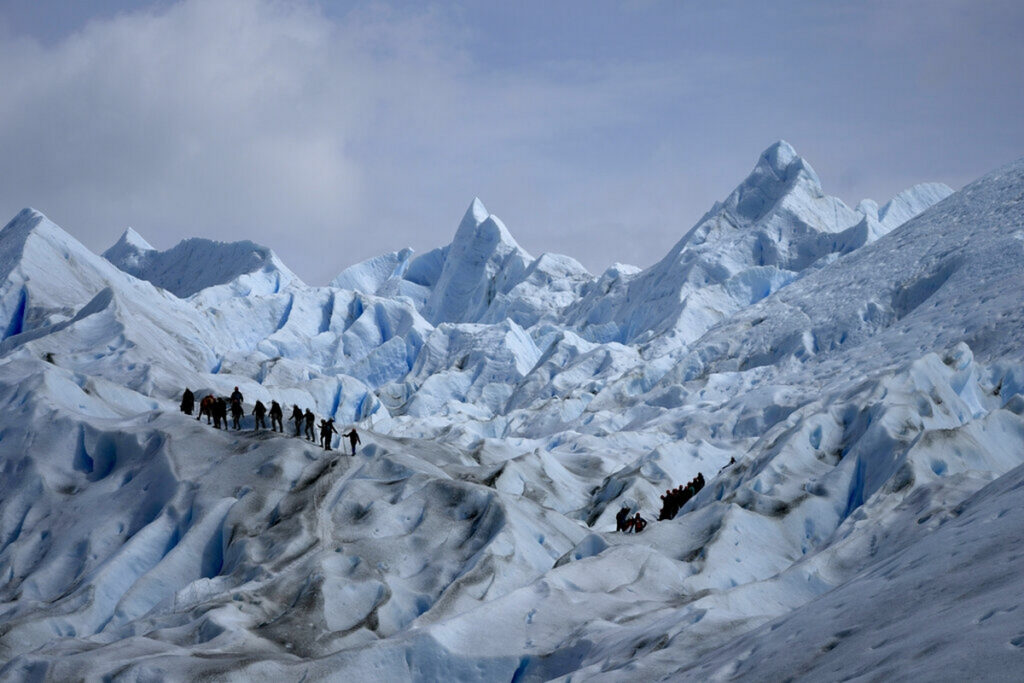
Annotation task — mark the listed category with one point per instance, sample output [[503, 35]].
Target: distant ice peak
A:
[[782, 160], [780, 173], [482, 261], [25, 215], [133, 239], [197, 263], [475, 215], [480, 227]]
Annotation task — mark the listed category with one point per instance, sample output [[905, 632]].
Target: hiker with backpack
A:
[[220, 413], [258, 411], [276, 416], [236, 414], [310, 425], [297, 418], [327, 431]]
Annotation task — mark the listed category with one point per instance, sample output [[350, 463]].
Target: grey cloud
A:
[[332, 135]]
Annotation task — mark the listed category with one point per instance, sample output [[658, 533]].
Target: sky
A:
[[333, 132]]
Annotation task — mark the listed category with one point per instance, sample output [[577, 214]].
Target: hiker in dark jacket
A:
[[236, 414], [353, 439], [258, 411], [188, 401], [236, 396], [297, 418], [220, 413], [620, 519], [310, 425], [327, 431], [276, 417]]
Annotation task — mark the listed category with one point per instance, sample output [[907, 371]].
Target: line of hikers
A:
[[216, 411], [671, 502], [674, 499]]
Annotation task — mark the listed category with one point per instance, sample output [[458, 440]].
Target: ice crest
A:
[[476, 214], [134, 239], [197, 263]]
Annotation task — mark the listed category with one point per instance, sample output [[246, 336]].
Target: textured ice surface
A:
[[848, 381]]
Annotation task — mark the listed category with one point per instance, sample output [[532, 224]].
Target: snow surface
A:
[[849, 382]]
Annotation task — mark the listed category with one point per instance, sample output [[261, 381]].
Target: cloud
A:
[[206, 118], [227, 119], [332, 135], [319, 136]]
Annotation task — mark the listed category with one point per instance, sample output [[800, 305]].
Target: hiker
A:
[[296, 418], [236, 414], [206, 408], [639, 523], [220, 412], [236, 396], [310, 420], [327, 431], [276, 416], [258, 412], [669, 504], [353, 439], [188, 401], [620, 519]]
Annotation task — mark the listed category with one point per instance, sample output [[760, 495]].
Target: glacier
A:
[[849, 381]]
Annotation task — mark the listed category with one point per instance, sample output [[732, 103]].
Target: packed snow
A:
[[849, 382]]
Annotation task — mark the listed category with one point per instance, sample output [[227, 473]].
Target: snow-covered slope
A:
[[47, 274], [972, 556], [850, 382]]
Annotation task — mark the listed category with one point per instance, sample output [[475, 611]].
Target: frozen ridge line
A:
[[197, 263]]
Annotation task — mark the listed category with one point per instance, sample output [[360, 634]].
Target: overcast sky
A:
[[333, 132]]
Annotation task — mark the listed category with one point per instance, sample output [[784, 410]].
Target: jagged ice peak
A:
[[134, 239]]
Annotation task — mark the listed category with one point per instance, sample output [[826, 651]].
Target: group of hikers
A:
[[216, 411], [625, 523], [671, 502], [216, 408], [674, 499]]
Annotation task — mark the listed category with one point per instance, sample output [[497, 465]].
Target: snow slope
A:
[[849, 382], [973, 558]]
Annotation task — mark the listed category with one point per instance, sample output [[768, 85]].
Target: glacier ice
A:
[[849, 381]]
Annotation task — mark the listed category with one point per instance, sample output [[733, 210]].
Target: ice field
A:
[[849, 381]]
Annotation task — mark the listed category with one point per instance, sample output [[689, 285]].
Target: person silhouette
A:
[[353, 439]]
